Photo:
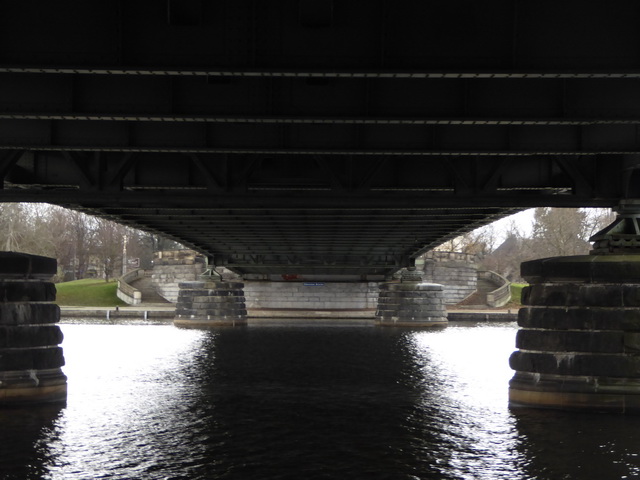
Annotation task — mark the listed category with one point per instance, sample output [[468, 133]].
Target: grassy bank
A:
[[516, 293], [90, 292]]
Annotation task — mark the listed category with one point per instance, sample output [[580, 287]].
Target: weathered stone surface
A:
[[217, 306], [631, 294], [632, 342], [412, 294], [580, 335], [405, 317], [588, 295], [457, 272], [29, 336], [217, 300], [583, 268], [27, 291], [212, 312], [429, 300], [173, 267], [31, 379], [202, 303], [582, 393], [210, 292], [311, 295], [612, 365], [206, 285], [23, 313], [580, 318], [214, 303], [26, 265], [411, 287], [31, 358], [570, 341], [411, 304], [429, 312], [233, 315]]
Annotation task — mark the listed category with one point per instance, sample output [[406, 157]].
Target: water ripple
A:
[[156, 402]]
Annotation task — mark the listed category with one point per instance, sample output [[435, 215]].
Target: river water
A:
[[303, 402]]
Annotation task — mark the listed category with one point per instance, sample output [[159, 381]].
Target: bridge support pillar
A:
[[411, 303], [30, 356], [210, 304], [579, 337]]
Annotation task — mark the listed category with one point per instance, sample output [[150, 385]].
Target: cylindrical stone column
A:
[[411, 304], [210, 304], [30, 355], [579, 338]]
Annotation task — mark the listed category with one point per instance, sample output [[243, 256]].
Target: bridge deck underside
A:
[[315, 136]]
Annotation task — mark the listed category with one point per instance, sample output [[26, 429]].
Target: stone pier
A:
[[210, 304], [30, 356], [579, 338], [171, 267], [411, 303]]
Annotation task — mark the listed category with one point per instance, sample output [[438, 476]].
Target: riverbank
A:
[[144, 312], [164, 311]]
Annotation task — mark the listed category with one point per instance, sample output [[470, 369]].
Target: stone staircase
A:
[[479, 297], [149, 294]]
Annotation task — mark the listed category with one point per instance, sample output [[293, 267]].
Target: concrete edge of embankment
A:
[[257, 316], [116, 312], [482, 316]]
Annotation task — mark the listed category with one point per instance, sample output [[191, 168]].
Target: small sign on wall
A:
[[313, 284]]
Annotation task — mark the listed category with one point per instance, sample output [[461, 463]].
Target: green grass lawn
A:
[[516, 292], [90, 292]]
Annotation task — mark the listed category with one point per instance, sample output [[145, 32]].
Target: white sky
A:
[[523, 221]]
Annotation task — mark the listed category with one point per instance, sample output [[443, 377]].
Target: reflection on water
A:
[[154, 401], [463, 377], [26, 436], [580, 445]]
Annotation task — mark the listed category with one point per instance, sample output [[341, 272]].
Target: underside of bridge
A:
[[317, 136]]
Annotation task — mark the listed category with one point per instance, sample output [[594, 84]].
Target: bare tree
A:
[[598, 218], [13, 226], [560, 232], [109, 246], [556, 232], [477, 242], [76, 240]]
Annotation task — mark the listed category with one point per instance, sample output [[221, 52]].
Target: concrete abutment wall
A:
[[311, 295], [456, 272]]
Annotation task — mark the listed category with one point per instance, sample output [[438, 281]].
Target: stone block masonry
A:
[[311, 295], [457, 272], [411, 304], [210, 304], [30, 355], [170, 268], [579, 338]]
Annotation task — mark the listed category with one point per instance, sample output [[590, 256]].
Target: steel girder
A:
[[315, 136]]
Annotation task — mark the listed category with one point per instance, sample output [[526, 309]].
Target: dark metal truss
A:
[[315, 136]]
